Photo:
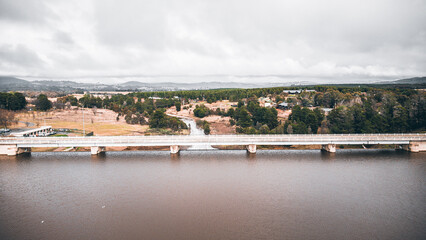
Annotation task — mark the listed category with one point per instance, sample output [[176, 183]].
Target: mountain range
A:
[[16, 84]]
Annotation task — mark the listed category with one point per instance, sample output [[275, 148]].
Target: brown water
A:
[[354, 194]]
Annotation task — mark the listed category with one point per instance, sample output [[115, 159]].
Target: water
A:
[[354, 194]]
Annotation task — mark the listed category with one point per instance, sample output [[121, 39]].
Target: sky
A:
[[191, 40]]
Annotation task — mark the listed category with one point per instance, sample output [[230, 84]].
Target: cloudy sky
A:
[[343, 40]]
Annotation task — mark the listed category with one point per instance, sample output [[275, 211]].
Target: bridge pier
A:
[[251, 148], [97, 150], [13, 150], [331, 148], [174, 149], [415, 146]]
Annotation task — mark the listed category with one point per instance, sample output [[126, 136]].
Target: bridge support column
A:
[[251, 148], [415, 147], [174, 149], [13, 150], [97, 150], [329, 148]]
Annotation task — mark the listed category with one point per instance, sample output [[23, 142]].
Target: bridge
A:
[[36, 132], [18, 145]]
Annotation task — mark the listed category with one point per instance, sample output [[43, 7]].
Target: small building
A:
[[292, 91], [43, 131], [283, 106], [267, 104], [326, 110]]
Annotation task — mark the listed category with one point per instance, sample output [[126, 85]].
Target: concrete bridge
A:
[[409, 142]]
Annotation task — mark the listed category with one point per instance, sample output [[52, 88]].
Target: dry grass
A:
[[103, 123]]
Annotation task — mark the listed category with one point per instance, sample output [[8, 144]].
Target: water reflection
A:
[[175, 157], [327, 156], [251, 156], [100, 157]]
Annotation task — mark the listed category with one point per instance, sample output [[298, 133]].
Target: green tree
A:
[[271, 119], [207, 129], [201, 111], [43, 103], [158, 119], [244, 119], [178, 106]]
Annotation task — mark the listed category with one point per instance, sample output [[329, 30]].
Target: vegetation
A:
[[204, 125], [160, 120], [12, 101], [352, 109], [201, 111], [304, 120], [43, 103], [7, 118]]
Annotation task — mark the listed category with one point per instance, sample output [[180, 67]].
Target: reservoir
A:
[[274, 194]]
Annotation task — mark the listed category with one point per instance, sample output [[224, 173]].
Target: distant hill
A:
[[13, 83], [8, 83], [415, 80]]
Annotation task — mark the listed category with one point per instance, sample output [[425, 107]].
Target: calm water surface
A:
[[353, 194]]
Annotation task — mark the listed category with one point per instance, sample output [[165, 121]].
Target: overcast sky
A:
[[306, 39]]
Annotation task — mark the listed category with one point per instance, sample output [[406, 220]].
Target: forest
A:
[[351, 109]]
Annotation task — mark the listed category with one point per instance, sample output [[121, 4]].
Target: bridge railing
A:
[[213, 139]]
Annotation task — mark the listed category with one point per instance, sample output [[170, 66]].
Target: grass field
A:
[[104, 123]]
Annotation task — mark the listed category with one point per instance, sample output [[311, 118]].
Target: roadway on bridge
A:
[[191, 140]]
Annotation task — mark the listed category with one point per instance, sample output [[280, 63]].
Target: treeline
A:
[[214, 95], [354, 109], [388, 117], [383, 112], [12, 101], [304, 121]]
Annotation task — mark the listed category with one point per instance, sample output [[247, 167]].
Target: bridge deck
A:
[[188, 140]]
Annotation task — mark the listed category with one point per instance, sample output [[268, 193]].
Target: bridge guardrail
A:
[[215, 139]]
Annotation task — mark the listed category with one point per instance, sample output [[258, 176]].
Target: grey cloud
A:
[[134, 23], [351, 38], [63, 38], [33, 11], [19, 56]]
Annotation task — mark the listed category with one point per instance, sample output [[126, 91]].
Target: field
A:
[[102, 122]]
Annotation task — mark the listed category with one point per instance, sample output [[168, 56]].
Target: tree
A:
[[201, 111], [244, 119], [290, 129], [157, 119], [264, 129], [43, 103], [178, 106], [7, 118], [340, 121], [207, 129], [271, 118], [12, 101], [94, 110]]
